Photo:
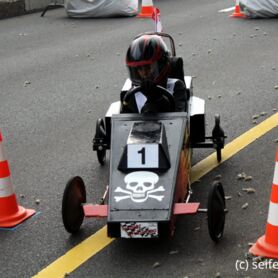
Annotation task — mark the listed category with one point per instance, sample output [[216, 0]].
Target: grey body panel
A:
[[175, 125]]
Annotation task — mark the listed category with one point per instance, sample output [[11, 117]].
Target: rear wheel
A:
[[101, 134], [216, 211], [73, 198]]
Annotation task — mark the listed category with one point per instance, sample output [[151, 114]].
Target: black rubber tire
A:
[[216, 211], [73, 198], [101, 133], [218, 137], [218, 154]]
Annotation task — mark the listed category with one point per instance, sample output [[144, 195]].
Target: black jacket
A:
[[154, 103]]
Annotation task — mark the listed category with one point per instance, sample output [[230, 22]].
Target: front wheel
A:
[[216, 211], [218, 137], [72, 210], [218, 154]]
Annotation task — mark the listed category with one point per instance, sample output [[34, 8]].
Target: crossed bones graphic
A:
[[130, 194]]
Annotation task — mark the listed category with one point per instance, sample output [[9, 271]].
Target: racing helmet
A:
[[148, 60]]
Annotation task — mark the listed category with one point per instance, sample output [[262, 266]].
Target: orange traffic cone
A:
[[10, 213], [237, 12], [267, 245], [146, 8]]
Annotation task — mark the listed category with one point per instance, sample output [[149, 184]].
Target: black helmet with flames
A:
[[148, 60]]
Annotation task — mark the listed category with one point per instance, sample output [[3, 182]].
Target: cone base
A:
[[238, 15], [264, 249], [144, 15], [13, 220]]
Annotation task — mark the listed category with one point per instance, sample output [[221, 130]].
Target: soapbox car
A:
[[150, 162]]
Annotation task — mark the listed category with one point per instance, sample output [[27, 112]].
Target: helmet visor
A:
[[141, 73]]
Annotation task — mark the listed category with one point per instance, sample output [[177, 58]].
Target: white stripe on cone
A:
[[6, 188], [273, 214], [275, 179], [146, 3], [227, 10]]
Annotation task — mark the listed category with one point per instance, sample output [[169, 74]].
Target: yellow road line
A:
[[95, 243], [209, 163], [77, 255]]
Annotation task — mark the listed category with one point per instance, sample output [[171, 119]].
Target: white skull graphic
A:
[[139, 187], [140, 183]]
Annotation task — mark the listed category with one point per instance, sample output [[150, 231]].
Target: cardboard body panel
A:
[[91, 210], [157, 204], [186, 208]]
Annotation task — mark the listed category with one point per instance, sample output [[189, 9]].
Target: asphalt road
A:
[[58, 75]]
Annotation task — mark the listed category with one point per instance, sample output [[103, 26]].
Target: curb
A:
[[10, 8]]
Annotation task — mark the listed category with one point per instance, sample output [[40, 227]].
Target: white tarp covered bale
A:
[[101, 8], [259, 8]]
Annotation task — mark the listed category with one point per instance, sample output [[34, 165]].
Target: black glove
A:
[[149, 89]]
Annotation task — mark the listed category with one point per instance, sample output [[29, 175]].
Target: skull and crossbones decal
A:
[[139, 187]]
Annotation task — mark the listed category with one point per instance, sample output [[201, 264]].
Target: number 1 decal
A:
[[142, 156]]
